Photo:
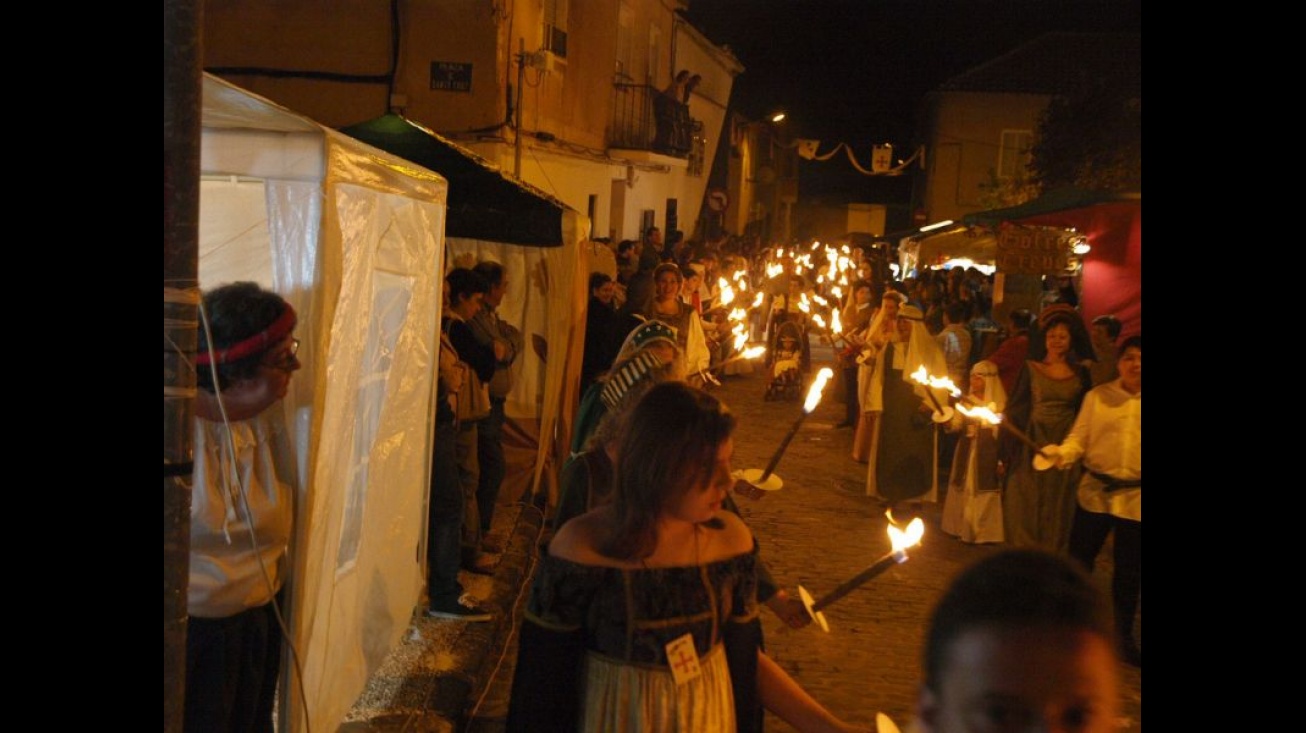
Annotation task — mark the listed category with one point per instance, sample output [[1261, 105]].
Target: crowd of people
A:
[[1032, 372], [650, 581]]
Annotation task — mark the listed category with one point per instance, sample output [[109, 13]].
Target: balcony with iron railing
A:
[[643, 118]]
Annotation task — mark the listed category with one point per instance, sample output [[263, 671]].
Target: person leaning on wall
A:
[[491, 330], [242, 511]]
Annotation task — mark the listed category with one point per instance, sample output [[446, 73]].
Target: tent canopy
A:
[[1051, 202], [483, 203], [1112, 281], [969, 243]]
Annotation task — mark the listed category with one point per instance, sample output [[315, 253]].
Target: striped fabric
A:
[[627, 376]]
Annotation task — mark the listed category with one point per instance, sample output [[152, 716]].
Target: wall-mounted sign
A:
[[1032, 250], [718, 200], [451, 76]]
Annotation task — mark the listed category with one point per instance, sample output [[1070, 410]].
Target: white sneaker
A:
[[459, 611]]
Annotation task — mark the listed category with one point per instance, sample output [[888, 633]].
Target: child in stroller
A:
[[787, 363]]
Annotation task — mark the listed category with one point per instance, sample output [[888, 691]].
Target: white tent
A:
[[935, 248], [353, 237], [541, 242]]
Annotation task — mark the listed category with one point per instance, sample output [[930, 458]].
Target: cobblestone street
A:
[[817, 531], [821, 529]]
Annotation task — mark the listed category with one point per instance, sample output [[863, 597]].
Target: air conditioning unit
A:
[[548, 61]]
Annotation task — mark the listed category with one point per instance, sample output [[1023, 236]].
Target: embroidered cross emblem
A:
[[685, 662]]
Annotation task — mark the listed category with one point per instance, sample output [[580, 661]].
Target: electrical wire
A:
[[243, 496], [544, 172]]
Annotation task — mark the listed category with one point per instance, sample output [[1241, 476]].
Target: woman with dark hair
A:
[[643, 613], [467, 290], [1039, 505], [241, 508], [601, 330]]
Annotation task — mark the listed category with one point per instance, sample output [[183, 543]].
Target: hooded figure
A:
[[972, 510], [650, 351], [902, 464]]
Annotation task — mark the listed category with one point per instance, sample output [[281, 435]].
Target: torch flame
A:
[[836, 326], [814, 392], [818, 320], [902, 540], [921, 377], [727, 292], [983, 412], [741, 338], [752, 352], [757, 302]]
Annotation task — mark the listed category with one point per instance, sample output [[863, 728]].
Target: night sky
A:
[[856, 71]]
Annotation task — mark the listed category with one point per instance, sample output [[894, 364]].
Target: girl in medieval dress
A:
[[1038, 506], [972, 511]]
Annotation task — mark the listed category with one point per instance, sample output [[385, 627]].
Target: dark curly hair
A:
[[235, 312]]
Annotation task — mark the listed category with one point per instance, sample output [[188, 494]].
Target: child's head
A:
[[1021, 640]]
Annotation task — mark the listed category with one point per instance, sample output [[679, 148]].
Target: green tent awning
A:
[[483, 202], [1051, 202]]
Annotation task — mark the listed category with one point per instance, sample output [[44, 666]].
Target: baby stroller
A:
[[787, 362]]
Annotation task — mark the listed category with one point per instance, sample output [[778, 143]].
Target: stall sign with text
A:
[[1032, 250], [451, 76]]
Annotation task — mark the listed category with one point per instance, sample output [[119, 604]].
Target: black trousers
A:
[[232, 666], [852, 406], [1088, 533]]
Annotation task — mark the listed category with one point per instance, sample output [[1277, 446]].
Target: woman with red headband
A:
[[241, 508]]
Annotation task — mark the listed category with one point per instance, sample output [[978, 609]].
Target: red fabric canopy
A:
[[1113, 268]]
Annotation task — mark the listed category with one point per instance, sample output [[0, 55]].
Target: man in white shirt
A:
[[1107, 437]]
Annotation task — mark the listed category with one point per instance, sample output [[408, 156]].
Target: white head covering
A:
[[922, 349], [995, 395]]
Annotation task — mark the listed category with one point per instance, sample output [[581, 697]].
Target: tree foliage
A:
[[1091, 139]]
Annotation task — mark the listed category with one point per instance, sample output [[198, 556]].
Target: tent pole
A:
[[521, 79], [181, 168]]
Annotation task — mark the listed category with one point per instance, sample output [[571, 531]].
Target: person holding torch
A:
[[1107, 438]]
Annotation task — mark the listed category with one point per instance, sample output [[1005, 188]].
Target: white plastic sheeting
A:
[[353, 238]]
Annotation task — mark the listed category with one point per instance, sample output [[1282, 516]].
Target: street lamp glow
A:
[[778, 117], [931, 227]]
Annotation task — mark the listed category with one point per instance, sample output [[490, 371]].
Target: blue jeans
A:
[[444, 520], [489, 454]]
